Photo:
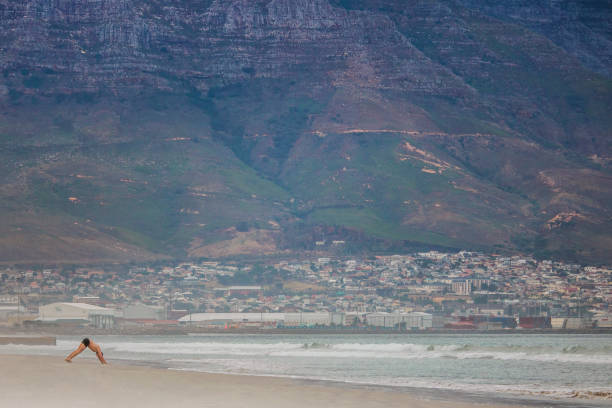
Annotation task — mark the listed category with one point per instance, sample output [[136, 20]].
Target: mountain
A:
[[136, 130]]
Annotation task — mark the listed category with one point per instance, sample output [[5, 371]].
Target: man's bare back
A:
[[86, 343]]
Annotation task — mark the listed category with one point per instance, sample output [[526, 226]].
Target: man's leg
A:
[[75, 353]]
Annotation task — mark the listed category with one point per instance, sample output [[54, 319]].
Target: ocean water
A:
[[551, 366]]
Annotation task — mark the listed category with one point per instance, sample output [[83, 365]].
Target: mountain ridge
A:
[[173, 129]]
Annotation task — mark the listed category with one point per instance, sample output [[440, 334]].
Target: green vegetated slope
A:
[[441, 127], [160, 181]]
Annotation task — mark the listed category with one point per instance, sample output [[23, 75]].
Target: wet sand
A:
[[49, 382]]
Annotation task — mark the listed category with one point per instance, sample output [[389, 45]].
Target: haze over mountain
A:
[[134, 130]]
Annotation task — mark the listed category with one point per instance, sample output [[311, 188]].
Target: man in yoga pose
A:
[[86, 343]]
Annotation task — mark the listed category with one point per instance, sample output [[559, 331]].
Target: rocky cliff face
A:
[[87, 46], [581, 28], [452, 123]]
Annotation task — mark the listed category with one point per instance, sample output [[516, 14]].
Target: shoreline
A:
[[51, 382], [435, 394]]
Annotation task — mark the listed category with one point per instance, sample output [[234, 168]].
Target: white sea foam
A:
[[353, 350]]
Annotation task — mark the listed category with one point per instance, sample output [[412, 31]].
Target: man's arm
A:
[[101, 356], [75, 353]]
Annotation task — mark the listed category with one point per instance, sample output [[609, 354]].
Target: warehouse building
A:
[[226, 320], [9, 305], [414, 320], [77, 313], [307, 319]]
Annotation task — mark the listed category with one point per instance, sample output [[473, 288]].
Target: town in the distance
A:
[[424, 291]]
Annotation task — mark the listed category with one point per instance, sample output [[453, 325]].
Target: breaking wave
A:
[[570, 354]]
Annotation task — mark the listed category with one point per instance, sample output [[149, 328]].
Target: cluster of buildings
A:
[[463, 290]]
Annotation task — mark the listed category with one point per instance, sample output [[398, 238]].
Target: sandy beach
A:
[[42, 381]]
